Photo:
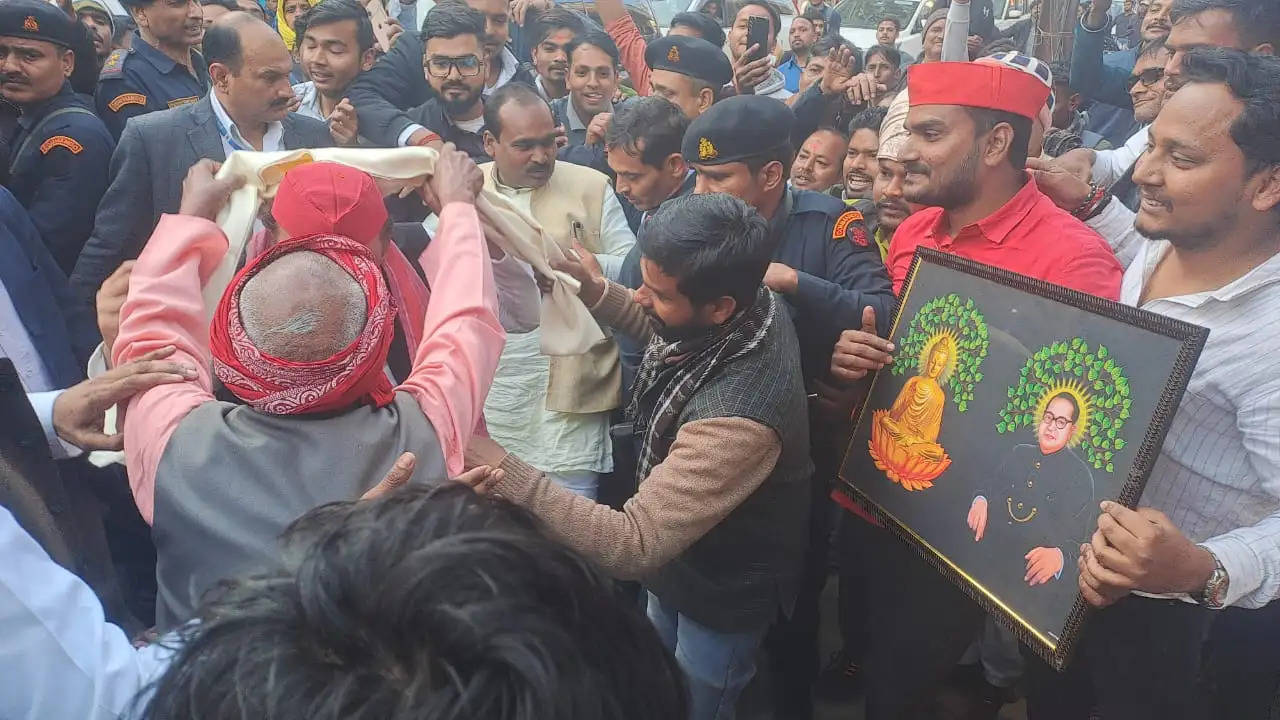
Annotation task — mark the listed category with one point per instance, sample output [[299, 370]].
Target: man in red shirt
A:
[[970, 129]]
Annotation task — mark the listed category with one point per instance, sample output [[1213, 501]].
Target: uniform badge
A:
[[60, 141], [707, 151], [842, 225], [127, 99], [114, 63], [30, 24], [673, 55], [182, 101], [859, 236]]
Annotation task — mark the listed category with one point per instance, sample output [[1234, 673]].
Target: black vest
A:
[[737, 576]]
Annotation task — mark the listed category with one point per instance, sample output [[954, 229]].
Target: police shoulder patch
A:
[[60, 141], [841, 229], [114, 64], [178, 102], [129, 98]]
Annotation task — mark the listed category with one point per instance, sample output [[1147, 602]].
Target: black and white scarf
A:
[[671, 373]]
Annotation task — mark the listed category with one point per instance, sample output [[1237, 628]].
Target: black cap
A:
[[707, 27], [689, 56], [37, 21], [737, 128]]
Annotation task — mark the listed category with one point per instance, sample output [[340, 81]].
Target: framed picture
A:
[[1012, 409]]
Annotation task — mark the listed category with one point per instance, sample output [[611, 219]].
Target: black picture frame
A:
[[1171, 351]]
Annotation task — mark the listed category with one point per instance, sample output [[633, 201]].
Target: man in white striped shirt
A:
[[1202, 248]]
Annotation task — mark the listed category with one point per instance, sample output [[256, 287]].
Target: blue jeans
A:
[[718, 665]]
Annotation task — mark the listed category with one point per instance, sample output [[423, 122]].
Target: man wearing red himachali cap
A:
[[301, 336], [970, 126]]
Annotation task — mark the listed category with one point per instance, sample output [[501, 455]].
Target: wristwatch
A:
[[1214, 594]]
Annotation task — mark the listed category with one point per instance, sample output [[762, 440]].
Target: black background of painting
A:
[[1018, 324]]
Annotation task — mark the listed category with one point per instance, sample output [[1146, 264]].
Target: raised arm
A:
[[631, 44], [393, 85], [165, 308], [454, 364]]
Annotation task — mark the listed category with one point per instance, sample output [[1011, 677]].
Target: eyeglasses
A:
[[1147, 77], [441, 65], [1060, 423]]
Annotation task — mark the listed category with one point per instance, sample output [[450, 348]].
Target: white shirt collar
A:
[[1268, 273], [232, 139], [309, 99], [509, 67]]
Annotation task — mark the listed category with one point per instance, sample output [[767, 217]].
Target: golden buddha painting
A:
[[945, 344]]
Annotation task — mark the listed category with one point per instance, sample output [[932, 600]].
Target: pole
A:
[[1055, 24]]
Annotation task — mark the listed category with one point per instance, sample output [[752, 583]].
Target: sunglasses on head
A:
[[1147, 77]]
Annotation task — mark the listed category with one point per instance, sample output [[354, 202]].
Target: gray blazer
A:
[[148, 166]]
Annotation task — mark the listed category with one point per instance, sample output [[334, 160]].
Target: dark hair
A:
[[699, 85], [1151, 48], [124, 25], [897, 24], [984, 120], [704, 24], [1075, 406], [451, 19], [553, 19], [844, 136], [428, 602], [329, 12], [713, 245], [765, 5], [221, 44], [513, 92], [827, 43], [1254, 80], [870, 119], [225, 4], [651, 126], [781, 153], [1257, 21], [891, 55], [814, 15], [597, 39]]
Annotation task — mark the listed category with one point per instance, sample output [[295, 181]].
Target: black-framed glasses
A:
[[1147, 77], [441, 65], [1060, 423]]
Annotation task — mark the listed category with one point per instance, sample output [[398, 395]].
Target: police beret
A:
[[689, 56], [737, 128], [37, 21]]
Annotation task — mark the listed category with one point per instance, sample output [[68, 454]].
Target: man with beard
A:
[[887, 31], [335, 45], [396, 84], [248, 109], [593, 81], [1202, 249], [453, 60], [60, 149], [687, 72], [161, 68], [970, 127], [553, 30], [98, 20], [716, 529], [819, 161], [554, 411], [643, 149], [860, 165], [801, 37]]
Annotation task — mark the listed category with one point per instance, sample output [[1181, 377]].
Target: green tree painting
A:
[[1095, 379], [953, 319]]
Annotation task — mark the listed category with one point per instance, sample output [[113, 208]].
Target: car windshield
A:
[[660, 10], [868, 13]]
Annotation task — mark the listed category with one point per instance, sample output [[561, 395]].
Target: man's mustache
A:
[[917, 168]]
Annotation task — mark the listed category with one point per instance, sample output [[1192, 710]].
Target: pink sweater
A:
[[452, 368]]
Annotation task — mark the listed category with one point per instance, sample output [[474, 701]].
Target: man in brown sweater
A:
[[717, 527]]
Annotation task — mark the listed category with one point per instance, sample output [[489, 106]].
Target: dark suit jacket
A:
[[152, 158], [39, 293]]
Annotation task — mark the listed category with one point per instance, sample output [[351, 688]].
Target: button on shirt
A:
[[1028, 235], [1218, 474]]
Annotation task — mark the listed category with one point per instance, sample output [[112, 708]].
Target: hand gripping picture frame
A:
[[1012, 409]]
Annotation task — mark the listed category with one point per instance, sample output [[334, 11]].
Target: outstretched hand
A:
[[858, 352], [203, 195], [396, 478], [581, 265]]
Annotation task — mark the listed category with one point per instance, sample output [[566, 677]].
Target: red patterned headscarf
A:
[[283, 387]]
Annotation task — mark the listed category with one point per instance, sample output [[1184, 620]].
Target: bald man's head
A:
[[249, 66], [302, 307]]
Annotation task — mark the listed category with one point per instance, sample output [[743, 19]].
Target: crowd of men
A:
[[554, 431]]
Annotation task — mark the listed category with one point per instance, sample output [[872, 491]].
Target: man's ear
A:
[[706, 98], [367, 58], [68, 63], [675, 165], [219, 75], [721, 309], [771, 176], [1266, 198], [490, 143], [999, 144]]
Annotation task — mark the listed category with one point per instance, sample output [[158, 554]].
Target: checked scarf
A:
[[672, 373]]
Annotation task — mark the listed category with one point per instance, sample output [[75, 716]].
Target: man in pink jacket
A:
[[301, 336]]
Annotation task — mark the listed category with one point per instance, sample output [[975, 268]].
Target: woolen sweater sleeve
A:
[[165, 307], [618, 309], [713, 466]]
